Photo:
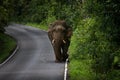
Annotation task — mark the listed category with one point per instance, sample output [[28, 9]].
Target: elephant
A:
[[60, 34]]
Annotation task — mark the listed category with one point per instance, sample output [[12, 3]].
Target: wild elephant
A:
[[59, 34]]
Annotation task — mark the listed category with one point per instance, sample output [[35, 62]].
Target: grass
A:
[[7, 45], [80, 70], [40, 26]]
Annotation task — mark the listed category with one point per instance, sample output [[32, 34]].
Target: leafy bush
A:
[[96, 38], [81, 50], [3, 18]]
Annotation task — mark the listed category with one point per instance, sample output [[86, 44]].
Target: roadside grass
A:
[[43, 25], [40, 26], [79, 67], [80, 70], [7, 45]]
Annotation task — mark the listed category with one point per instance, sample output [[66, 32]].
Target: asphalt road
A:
[[34, 59]]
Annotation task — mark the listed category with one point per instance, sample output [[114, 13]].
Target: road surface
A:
[[34, 59]]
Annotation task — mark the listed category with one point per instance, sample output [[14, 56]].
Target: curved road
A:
[[34, 59]]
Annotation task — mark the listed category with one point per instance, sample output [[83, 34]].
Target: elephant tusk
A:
[[64, 41], [53, 41]]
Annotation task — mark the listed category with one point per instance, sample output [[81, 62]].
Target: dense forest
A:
[[95, 47]]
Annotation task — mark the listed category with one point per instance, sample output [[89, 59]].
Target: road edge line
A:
[[13, 53], [66, 69], [16, 49]]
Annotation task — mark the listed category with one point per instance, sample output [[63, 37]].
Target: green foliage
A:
[[40, 26], [3, 16], [114, 75], [81, 50], [80, 40], [97, 38], [80, 70], [37, 11]]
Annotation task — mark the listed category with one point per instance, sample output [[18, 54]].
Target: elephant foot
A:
[[65, 57], [58, 61], [64, 60]]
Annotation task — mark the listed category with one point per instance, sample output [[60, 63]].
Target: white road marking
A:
[[65, 72]]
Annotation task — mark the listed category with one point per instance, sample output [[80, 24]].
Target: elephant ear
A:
[[69, 32], [50, 31], [51, 27]]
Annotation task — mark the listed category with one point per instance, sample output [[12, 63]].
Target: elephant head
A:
[[59, 33]]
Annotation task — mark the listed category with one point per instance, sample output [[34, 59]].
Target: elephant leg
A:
[[65, 50]]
